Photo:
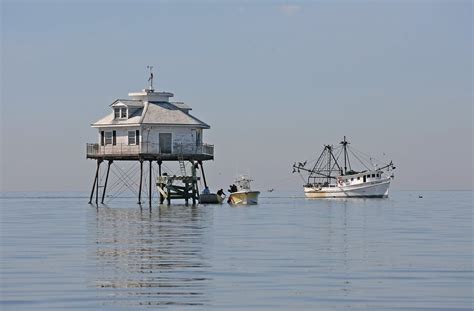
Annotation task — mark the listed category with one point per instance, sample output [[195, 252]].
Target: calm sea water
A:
[[287, 253]]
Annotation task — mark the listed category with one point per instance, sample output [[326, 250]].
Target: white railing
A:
[[93, 150]]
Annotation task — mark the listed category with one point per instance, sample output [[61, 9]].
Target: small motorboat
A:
[[241, 193], [211, 198], [206, 197]]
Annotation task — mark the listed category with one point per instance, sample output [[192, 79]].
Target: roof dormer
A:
[[120, 112], [124, 109]]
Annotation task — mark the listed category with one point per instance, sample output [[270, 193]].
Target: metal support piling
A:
[[141, 183], [203, 175], [106, 179], [96, 181], [97, 184], [162, 198], [150, 184]]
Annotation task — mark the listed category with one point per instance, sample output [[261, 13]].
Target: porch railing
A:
[[148, 148]]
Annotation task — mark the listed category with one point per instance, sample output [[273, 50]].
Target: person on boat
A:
[[220, 192], [206, 190], [233, 188]]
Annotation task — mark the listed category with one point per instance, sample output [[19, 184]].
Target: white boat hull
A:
[[376, 189], [244, 197]]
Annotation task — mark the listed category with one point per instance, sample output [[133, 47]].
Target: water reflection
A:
[[152, 258]]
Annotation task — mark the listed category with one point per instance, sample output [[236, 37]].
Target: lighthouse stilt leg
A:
[[203, 175], [149, 184], [162, 198], [95, 181], [106, 179], [141, 182]]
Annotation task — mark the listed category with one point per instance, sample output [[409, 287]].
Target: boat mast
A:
[[329, 162], [344, 145]]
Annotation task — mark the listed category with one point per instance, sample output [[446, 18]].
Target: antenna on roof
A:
[[150, 79]]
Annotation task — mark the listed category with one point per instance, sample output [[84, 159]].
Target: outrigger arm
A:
[[387, 166], [297, 168]]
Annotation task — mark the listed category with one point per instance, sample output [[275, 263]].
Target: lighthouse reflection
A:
[[152, 258]]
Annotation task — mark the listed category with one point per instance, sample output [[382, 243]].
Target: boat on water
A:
[[241, 192], [327, 178], [206, 197], [211, 198]]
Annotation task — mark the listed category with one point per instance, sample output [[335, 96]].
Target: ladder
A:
[[182, 166]]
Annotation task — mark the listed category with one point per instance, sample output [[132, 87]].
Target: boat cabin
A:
[[359, 178]]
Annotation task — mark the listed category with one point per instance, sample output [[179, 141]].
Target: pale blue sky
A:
[[275, 80]]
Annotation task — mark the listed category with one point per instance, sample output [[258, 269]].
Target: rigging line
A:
[[362, 155], [127, 186], [126, 182], [128, 178], [116, 182], [129, 175], [336, 160], [175, 173], [125, 189], [359, 160], [317, 164], [369, 156], [122, 186], [116, 193], [361, 152], [373, 162], [114, 185]]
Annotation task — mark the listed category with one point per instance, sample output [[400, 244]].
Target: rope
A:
[[359, 159]]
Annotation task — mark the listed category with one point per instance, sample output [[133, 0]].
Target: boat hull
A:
[[244, 197], [378, 189], [210, 198]]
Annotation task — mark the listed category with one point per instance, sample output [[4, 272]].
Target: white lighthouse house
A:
[[148, 127]]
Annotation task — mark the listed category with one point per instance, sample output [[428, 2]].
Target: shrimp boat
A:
[[328, 179], [241, 193]]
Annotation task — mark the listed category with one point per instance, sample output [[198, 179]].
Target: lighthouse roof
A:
[[170, 114], [151, 112]]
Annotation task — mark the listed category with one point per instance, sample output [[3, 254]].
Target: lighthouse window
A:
[[131, 138], [120, 112], [108, 138]]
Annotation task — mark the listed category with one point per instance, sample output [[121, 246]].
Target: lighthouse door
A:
[[165, 143]]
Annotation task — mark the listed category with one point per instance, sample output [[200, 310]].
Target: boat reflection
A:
[[157, 258]]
